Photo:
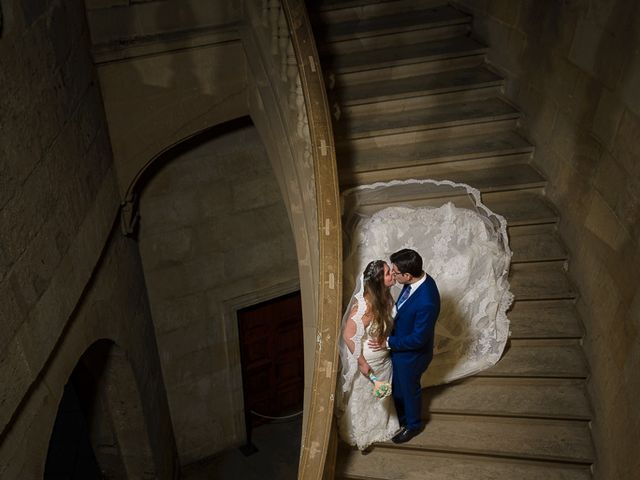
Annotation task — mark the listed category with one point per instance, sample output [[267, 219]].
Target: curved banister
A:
[[329, 289]]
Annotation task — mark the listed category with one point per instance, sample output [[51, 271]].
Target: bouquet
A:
[[381, 388]]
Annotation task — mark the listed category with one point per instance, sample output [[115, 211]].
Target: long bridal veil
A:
[[465, 248], [349, 360]]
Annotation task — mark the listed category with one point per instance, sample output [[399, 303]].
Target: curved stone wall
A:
[[65, 278]]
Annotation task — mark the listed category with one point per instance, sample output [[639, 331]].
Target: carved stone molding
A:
[[317, 435]]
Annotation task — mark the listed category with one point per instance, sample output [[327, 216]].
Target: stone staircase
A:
[[413, 97]]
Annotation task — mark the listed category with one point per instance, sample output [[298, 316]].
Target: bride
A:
[[465, 249], [367, 418]]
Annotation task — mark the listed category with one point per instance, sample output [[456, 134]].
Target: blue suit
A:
[[411, 344]]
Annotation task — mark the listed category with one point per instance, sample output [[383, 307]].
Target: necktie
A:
[[403, 295]]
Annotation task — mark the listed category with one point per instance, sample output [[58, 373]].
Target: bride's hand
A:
[[363, 366], [376, 345]]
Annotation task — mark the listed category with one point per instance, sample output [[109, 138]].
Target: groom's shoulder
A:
[[431, 282], [430, 288]]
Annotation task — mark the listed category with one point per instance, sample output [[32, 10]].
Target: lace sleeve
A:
[[353, 315]]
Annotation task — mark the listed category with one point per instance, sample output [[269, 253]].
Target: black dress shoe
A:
[[405, 435]]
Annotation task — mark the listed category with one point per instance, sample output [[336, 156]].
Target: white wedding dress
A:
[[465, 249], [366, 418]]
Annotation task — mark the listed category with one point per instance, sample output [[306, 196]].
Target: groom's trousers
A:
[[407, 393]]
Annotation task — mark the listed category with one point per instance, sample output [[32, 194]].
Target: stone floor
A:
[[278, 447]]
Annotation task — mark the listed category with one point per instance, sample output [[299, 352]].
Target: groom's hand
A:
[[376, 345]]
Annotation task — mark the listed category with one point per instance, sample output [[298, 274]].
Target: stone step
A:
[[487, 179], [466, 127], [540, 358], [536, 243], [545, 319], [497, 145], [535, 439], [409, 54], [340, 10], [452, 117], [417, 86], [396, 38], [540, 281], [404, 464], [415, 104], [393, 73], [396, 29], [411, 17], [511, 397], [462, 171], [322, 5], [519, 207]]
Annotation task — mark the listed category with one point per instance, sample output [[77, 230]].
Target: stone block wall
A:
[[115, 21], [574, 69], [65, 279], [214, 236], [168, 70], [155, 101]]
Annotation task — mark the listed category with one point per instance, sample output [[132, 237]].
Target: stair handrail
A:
[[316, 437]]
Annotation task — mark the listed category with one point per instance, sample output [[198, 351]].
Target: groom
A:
[[411, 341]]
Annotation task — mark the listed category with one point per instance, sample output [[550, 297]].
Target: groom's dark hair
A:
[[408, 261]]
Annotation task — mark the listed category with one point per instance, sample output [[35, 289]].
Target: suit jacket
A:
[[411, 341]]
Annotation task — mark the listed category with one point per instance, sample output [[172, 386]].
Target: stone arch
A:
[[172, 217], [130, 203], [110, 400]]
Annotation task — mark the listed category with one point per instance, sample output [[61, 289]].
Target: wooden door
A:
[[272, 355]]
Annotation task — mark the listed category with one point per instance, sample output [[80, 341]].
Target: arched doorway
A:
[[100, 430], [70, 454]]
